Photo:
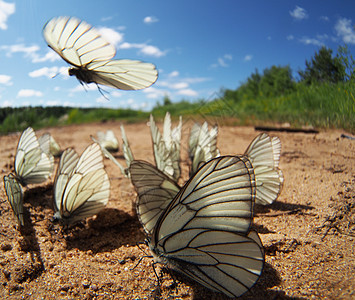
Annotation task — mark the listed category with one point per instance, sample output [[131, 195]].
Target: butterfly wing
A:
[[77, 42], [223, 261], [123, 74], [221, 194], [155, 191], [202, 145], [87, 187], [264, 153], [32, 164], [67, 163], [15, 196], [108, 140], [205, 231], [166, 152], [127, 152]]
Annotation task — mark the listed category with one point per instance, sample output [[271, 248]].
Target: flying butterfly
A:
[[14, 194], [33, 161], [166, 146], [81, 185], [202, 145], [82, 46], [205, 231], [264, 153]]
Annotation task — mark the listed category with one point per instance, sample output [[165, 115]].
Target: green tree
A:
[[348, 62], [276, 81], [323, 68]]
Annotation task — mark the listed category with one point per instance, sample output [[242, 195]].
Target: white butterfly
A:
[[202, 145], [54, 148], [33, 161], [205, 230], [91, 55], [81, 186], [264, 154], [15, 196], [166, 147], [155, 191], [127, 153], [108, 140]]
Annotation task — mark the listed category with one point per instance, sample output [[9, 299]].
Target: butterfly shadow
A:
[[28, 243], [109, 230], [40, 196], [261, 290], [282, 208]]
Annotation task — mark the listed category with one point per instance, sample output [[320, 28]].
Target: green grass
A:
[[321, 106]]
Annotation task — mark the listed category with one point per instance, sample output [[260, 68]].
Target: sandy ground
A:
[[308, 234]]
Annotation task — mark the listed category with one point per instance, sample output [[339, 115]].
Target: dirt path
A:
[[308, 234]]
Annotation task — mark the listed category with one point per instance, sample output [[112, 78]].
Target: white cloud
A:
[[173, 74], [188, 92], [318, 41], [345, 30], [6, 9], [104, 19], [30, 52], [49, 72], [152, 51], [83, 88], [49, 56], [5, 80], [112, 36], [116, 94], [144, 49], [299, 13], [222, 61], [155, 93], [7, 103], [290, 37], [150, 20], [324, 18], [248, 57], [192, 80], [29, 93], [101, 99], [20, 48]]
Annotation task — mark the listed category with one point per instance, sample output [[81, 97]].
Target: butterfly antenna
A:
[[102, 91]]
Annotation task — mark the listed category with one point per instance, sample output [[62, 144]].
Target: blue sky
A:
[[198, 46]]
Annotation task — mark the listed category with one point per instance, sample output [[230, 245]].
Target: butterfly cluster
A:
[[202, 228], [81, 184]]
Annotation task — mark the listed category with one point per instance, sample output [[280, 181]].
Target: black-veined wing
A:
[[15, 196], [221, 194], [264, 153], [32, 164], [82, 186], [202, 145], [82, 46], [155, 191], [127, 152], [123, 74], [205, 231], [166, 152], [222, 261]]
